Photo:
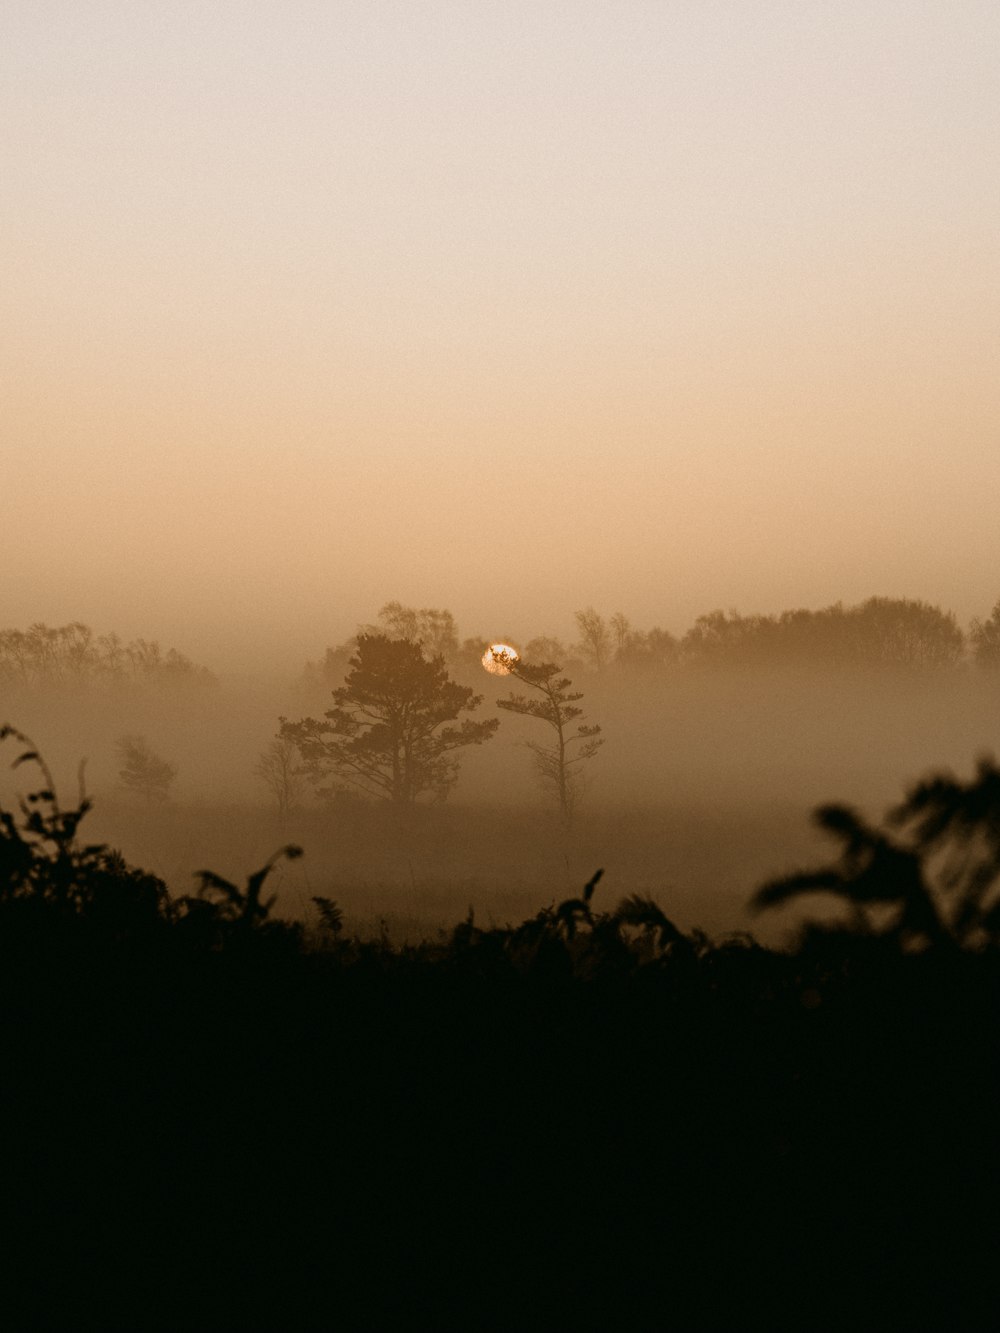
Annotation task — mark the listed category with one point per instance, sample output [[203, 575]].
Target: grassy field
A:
[[699, 863]]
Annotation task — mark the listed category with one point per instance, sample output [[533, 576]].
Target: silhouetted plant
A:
[[649, 919], [571, 938], [243, 908], [331, 918], [961, 822], [574, 912], [939, 888], [38, 853], [41, 861], [873, 872]]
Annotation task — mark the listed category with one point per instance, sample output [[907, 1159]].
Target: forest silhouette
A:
[[220, 1119]]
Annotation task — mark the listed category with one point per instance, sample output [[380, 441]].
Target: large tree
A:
[[390, 733]]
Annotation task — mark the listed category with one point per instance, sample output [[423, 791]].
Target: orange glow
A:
[[499, 658]]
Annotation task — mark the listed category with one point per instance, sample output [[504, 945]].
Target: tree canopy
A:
[[390, 732]]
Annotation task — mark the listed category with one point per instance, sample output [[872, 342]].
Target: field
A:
[[583, 1117], [703, 790]]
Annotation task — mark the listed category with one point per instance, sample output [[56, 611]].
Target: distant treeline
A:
[[74, 654], [882, 632]]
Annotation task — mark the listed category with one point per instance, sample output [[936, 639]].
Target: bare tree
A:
[[280, 769], [595, 638], [621, 629]]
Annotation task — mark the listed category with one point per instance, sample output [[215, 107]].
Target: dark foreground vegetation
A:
[[214, 1120]]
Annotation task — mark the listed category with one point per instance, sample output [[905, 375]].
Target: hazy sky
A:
[[505, 307]]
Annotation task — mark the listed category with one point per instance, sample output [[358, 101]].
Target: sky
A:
[[659, 305]]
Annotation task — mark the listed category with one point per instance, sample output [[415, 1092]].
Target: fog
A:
[[512, 311], [702, 788], [644, 972]]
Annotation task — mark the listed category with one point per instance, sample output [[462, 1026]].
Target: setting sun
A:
[[499, 658]]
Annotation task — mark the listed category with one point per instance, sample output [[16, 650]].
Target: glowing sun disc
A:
[[499, 658]]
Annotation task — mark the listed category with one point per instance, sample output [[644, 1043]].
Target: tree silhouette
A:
[[558, 763], [595, 638], [389, 734], [433, 629], [984, 636], [280, 769], [143, 771], [882, 632], [72, 654]]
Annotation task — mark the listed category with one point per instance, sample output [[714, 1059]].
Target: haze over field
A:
[[503, 308], [500, 664]]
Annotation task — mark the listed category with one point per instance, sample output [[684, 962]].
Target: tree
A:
[[985, 638], [72, 654], [646, 650], [280, 769], [881, 633], [621, 628], [899, 632], [544, 648], [595, 638], [389, 733], [143, 771], [434, 629], [558, 764]]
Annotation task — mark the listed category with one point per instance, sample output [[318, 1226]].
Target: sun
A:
[[499, 659]]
